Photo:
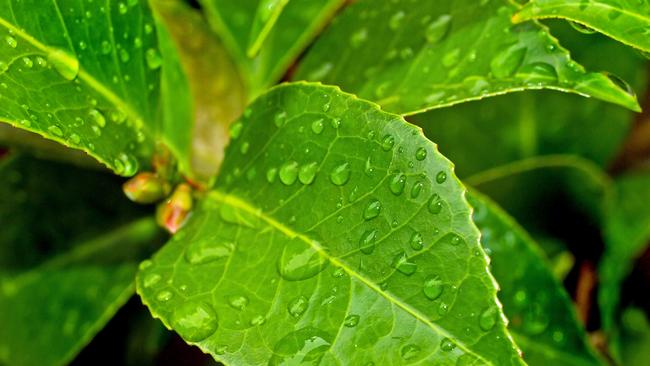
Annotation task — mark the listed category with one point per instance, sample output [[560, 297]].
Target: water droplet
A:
[[238, 302], [506, 63], [388, 142], [307, 173], [298, 306], [421, 154], [488, 318], [258, 320], [443, 309], [447, 345], [164, 296], [451, 58], [299, 261], [271, 174], [395, 20], [289, 172], [151, 279], [153, 59], [535, 319], [437, 29], [416, 242], [55, 130], [11, 41], [537, 72], [402, 264], [236, 129], [416, 189], [306, 346], [441, 177], [75, 139], [372, 210], [435, 204], [106, 47], [358, 37], [432, 287], [409, 351], [558, 336], [397, 184], [65, 63], [206, 251], [28, 62], [317, 126], [280, 118], [368, 169], [368, 241], [194, 321], [351, 320], [244, 147], [124, 55], [340, 175], [97, 117], [620, 83]]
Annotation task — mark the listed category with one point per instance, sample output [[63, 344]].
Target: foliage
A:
[[315, 221]]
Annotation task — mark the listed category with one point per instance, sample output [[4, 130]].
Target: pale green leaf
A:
[[627, 21], [411, 56], [542, 317], [335, 234]]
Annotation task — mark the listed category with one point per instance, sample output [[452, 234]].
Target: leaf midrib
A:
[[83, 75], [239, 203]]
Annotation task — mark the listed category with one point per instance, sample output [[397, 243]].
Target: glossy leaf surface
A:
[[62, 280], [86, 75], [627, 21], [542, 317], [296, 25], [627, 234], [411, 56], [336, 233]]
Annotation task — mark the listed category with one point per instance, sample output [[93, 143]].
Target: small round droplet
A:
[[236, 129], [416, 189], [488, 318], [388, 142], [164, 296], [317, 126], [151, 279], [153, 59], [421, 154], [307, 173], [298, 306], [372, 210], [435, 204], [97, 117], [416, 242], [397, 184], [194, 321], [432, 287], [340, 175], [11, 41], [289, 173], [441, 177], [351, 320], [244, 147], [271, 174], [447, 345]]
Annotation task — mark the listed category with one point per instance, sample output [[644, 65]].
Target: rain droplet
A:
[[409, 351], [164, 296], [447, 345], [194, 321], [206, 251], [340, 175], [28, 62], [397, 184], [317, 126], [488, 318], [271, 174], [299, 261], [416, 189], [289, 172], [368, 241], [395, 20], [437, 29], [55, 130], [236, 129], [358, 37], [65, 63], [416, 242], [280, 118], [238, 302], [153, 59], [388, 142], [151, 279], [244, 147], [421, 154], [441, 177], [372, 210], [75, 139], [97, 117], [307, 173], [258, 320], [432, 287], [506, 63], [298, 306], [11, 41], [351, 320], [402, 264], [304, 346]]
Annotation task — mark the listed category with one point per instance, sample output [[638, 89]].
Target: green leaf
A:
[[627, 234], [635, 338], [295, 27], [542, 317], [413, 56], [336, 234], [66, 264], [202, 86], [85, 76], [627, 21]]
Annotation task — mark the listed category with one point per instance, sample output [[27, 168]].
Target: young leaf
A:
[[627, 21], [542, 317], [336, 233], [411, 56], [65, 266], [627, 233], [87, 77], [296, 25]]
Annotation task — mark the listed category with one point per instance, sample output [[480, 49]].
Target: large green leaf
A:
[[627, 21], [68, 257], [335, 234], [627, 234], [296, 25], [84, 74], [411, 56], [542, 318]]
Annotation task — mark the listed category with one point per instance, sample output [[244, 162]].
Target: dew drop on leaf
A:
[[299, 261], [397, 184], [298, 306], [151, 279], [305, 346], [238, 302], [421, 154], [317, 126], [402, 264], [164, 296], [437, 29], [194, 321], [435, 204], [340, 175], [488, 318], [55, 130], [66, 64], [432, 287], [395, 20], [416, 242], [416, 189], [351, 320], [507, 62], [368, 241], [153, 59], [206, 251], [11, 41], [307, 173], [447, 345], [409, 351], [388, 142], [289, 172], [372, 210]]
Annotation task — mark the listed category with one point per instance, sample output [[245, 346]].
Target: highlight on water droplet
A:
[[416, 242], [195, 321]]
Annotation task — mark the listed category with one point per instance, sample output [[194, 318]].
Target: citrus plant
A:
[[267, 177]]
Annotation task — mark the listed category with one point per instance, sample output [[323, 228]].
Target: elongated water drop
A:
[[447, 345], [195, 321], [206, 251], [409, 351], [340, 175], [64, 62], [367, 241], [153, 59], [299, 261], [402, 264], [506, 63], [437, 29], [372, 210], [397, 184], [351, 320], [488, 318]]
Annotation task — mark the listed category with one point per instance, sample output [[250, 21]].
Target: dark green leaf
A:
[[627, 21], [336, 234], [635, 338], [627, 233], [411, 56], [294, 28], [542, 318]]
